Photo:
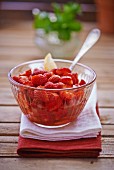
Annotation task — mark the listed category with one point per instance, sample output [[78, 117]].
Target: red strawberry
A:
[[54, 101], [79, 94], [21, 79], [75, 78], [67, 96], [54, 70], [59, 85], [26, 73], [37, 71], [15, 78], [49, 85], [54, 78], [41, 95], [38, 80], [62, 71], [82, 82], [66, 80], [48, 74]]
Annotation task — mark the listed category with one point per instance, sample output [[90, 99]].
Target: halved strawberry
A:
[[49, 85], [37, 71], [41, 95], [67, 96], [54, 101], [21, 79], [63, 71], [54, 78], [79, 95], [82, 82], [26, 73], [66, 80], [48, 74], [38, 80], [75, 78], [59, 85]]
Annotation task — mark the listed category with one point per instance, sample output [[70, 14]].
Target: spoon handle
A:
[[91, 39]]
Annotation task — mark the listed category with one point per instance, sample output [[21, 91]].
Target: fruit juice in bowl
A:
[[48, 93]]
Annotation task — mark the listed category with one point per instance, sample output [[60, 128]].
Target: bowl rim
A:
[[56, 60]]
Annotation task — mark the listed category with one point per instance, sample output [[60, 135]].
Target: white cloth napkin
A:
[[86, 126]]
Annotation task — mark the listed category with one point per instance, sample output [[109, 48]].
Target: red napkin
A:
[[89, 147]]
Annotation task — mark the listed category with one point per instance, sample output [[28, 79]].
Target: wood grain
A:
[[58, 164]]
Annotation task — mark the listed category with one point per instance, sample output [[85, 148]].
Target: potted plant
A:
[[57, 32]]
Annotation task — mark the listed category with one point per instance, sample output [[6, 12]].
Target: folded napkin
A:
[[86, 126], [86, 148]]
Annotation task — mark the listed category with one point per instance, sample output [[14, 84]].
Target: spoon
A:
[[91, 39]]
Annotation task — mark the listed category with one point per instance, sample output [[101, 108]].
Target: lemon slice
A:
[[49, 63]]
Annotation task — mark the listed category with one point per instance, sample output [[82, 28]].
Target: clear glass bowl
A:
[[52, 107], [58, 48]]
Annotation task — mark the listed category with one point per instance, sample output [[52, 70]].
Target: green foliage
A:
[[64, 21]]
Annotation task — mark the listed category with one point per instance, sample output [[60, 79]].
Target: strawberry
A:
[[49, 85], [54, 78], [38, 80], [37, 71], [54, 70], [54, 102], [62, 71], [16, 78], [41, 95], [66, 80], [67, 96], [26, 73], [48, 74], [21, 79], [30, 93], [75, 78], [59, 85], [82, 82], [79, 95]]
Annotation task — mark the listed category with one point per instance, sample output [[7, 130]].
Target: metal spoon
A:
[[91, 39]]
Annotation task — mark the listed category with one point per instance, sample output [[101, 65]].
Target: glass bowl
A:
[[52, 107]]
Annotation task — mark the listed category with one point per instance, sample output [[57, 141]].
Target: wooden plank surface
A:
[[17, 46], [58, 164]]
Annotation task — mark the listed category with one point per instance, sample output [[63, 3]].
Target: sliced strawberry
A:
[[54, 78], [37, 71], [48, 74], [75, 78], [54, 70], [30, 93], [79, 95], [67, 96], [49, 85], [59, 85], [54, 101], [82, 82], [38, 80], [26, 73], [66, 80], [16, 78], [62, 71], [41, 95], [21, 79]]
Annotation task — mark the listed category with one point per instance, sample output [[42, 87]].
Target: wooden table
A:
[[17, 46]]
